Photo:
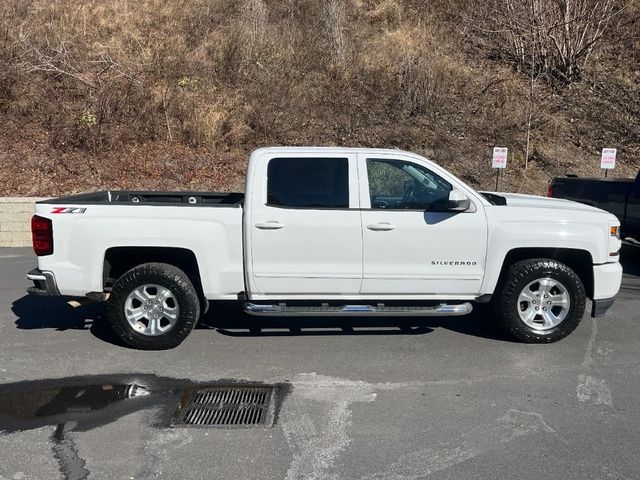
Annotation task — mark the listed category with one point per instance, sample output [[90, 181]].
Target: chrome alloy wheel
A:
[[151, 309], [544, 303]]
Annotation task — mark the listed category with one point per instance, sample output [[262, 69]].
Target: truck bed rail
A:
[[140, 197]]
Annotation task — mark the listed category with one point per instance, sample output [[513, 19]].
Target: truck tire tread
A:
[[164, 274], [517, 277]]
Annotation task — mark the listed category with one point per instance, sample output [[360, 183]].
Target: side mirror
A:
[[458, 201]]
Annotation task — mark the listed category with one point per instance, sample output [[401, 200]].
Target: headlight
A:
[[614, 230]]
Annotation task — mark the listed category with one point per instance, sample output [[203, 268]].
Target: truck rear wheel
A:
[[153, 306], [540, 301]]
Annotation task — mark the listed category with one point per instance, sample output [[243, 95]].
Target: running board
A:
[[282, 309]]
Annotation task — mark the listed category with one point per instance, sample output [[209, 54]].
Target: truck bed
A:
[[620, 196], [610, 194], [139, 197]]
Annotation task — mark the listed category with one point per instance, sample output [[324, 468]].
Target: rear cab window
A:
[[308, 183]]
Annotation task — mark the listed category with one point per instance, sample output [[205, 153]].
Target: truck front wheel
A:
[[539, 301], [153, 306]]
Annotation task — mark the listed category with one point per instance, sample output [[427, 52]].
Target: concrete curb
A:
[[15, 221]]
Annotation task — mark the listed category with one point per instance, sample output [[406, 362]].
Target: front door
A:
[[305, 230], [411, 244]]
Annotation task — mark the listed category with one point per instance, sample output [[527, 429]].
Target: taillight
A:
[[42, 234], [550, 191]]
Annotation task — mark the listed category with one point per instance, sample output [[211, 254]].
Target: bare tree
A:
[[559, 34], [531, 110], [254, 15], [334, 24]]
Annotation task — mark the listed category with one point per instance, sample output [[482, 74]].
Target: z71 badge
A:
[[68, 210]]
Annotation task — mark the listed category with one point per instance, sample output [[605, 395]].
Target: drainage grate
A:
[[228, 406]]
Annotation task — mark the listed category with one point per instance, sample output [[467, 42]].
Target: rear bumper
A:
[[44, 283]]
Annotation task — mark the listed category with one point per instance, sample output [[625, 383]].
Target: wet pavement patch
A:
[[82, 403], [86, 402], [92, 401], [65, 451]]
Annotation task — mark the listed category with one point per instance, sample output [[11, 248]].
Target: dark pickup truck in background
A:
[[620, 196]]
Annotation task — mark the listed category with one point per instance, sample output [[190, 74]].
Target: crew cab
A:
[[329, 231], [619, 196]]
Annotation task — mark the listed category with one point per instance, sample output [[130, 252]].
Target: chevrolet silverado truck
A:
[[329, 231], [619, 196]]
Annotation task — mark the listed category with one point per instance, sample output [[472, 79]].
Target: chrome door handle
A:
[[381, 227], [270, 225]]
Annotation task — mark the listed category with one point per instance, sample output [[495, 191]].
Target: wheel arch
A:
[[580, 261], [119, 260]]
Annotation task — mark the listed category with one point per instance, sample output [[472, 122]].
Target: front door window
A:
[[400, 185]]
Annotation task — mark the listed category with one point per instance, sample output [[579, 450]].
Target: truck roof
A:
[[334, 150]]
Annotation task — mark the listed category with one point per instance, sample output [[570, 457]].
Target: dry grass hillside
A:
[[175, 94]]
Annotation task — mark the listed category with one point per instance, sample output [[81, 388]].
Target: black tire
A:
[[166, 276], [506, 299]]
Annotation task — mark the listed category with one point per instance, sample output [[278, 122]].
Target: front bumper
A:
[[607, 279], [600, 307], [44, 283]]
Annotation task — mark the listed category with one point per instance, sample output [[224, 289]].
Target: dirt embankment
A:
[[175, 95]]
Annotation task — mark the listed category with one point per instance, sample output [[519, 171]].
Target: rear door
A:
[[305, 230], [411, 244]]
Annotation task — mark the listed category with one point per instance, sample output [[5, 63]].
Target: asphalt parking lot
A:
[[444, 398]]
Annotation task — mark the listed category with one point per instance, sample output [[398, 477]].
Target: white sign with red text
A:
[[608, 159], [499, 157]]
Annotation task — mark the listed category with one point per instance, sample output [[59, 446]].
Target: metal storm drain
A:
[[228, 406]]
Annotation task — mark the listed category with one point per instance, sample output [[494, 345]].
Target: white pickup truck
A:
[[329, 231]]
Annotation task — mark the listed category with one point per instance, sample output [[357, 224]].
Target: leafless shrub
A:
[[388, 12], [335, 16], [553, 37], [418, 81], [104, 83], [254, 17]]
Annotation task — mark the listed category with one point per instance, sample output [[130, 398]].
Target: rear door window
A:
[[308, 183]]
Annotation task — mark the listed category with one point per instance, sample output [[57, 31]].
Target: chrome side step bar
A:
[[380, 309]]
